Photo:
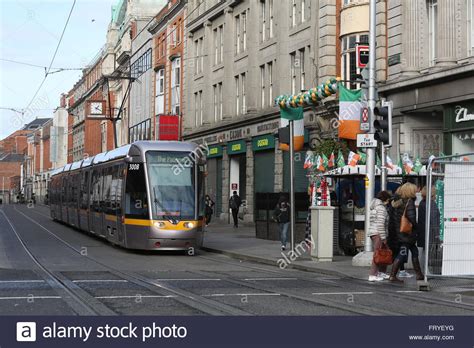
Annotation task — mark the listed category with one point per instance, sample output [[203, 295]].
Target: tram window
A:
[[85, 180], [136, 202], [117, 186], [95, 191], [107, 194]]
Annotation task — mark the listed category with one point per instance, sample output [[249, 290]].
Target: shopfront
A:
[[214, 176], [237, 151], [264, 163], [459, 128]]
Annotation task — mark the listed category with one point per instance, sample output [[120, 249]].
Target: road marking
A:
[[258, 279], [344, 293], [407, 291], [29, 297], [254, 294], [21, 281], [135, 296], [188, 279], [100, 281]]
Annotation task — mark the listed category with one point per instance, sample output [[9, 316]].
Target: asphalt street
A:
[[47, 268]]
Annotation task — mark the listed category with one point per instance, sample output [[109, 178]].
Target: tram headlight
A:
[[188, 224], [159, 224]]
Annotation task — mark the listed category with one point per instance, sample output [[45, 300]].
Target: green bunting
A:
[[363, 157], [340, 160], [417, 166], [400, 164]]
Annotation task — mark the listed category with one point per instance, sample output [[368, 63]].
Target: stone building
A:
[[240, 55], [430, 76]]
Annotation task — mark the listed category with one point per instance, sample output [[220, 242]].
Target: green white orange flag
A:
[[349, 112], [353, 159], [389, 163], [363, 157], [340, 160], [332, 160]]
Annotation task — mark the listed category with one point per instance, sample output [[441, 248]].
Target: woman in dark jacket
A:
[[406, 242], [434, 218]]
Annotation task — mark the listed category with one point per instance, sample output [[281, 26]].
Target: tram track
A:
[[326, 302]]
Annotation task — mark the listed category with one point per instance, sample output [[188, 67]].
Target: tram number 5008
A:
[[134, 166]]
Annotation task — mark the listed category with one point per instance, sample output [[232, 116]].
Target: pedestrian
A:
[[281, 215], [234, 205], [209, 209], [403, 208], [434, 219], [378, 229]]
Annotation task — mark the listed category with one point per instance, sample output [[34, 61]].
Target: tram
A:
[[148, 195]]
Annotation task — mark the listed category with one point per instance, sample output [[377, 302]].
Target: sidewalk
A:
[[242, 244]]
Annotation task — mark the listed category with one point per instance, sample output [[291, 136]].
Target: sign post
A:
[[292, 187]]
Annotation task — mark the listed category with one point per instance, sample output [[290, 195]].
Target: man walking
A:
[[234, 205]]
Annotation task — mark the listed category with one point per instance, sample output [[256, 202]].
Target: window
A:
[[218, 45], [293, 13], [237, 95], [201, 120], [348, 59], [218, 101], [302, 71], [198, 113], [196, 57], [237, 34], [270, 83], [160, 92], [293, 72], [270, 14], [244, 85], [433, 30], [470, 27], [141, 64], [221, 43], [303, 11], [175, 86], [103, 135], [136, 202], [244, 31], [262, 85], [263, 11], [221, 105]]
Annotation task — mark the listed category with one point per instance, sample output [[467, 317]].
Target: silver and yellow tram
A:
[[148, 195]]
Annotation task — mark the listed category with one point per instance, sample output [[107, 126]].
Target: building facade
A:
[[431, 76], [240, 55]]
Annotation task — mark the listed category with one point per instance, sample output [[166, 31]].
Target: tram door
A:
[[95, 216]]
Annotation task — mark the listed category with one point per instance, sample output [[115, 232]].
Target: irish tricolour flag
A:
[[349, 112]]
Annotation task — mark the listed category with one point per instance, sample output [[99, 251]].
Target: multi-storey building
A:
[[59, 135], [168, 30], [430, 76], [240, 55]]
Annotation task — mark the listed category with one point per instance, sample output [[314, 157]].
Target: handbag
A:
[[405, 225], [383, 256]]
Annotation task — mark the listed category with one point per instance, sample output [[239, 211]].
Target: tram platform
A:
[[241, 243]]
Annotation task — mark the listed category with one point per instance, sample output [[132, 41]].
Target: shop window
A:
[[348, 58]]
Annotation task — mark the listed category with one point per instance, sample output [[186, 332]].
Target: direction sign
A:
[[366, 140]]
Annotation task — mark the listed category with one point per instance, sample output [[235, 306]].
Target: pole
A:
[[370, 182], [292, 187], [383, 174]]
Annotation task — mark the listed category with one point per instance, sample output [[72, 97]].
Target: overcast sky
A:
[[29, 33]]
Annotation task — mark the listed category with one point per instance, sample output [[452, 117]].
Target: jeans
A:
[[403, 252], [284, 232], [235, 213]]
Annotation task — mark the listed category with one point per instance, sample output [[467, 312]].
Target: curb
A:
[[273, 263]]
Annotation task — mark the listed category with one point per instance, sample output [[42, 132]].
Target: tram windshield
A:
[[172, 187]]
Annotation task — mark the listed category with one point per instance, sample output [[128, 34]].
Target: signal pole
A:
[[292, 187], [365, 258]]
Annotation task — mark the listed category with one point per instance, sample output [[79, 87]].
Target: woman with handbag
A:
[[378, 235], [402, 224]]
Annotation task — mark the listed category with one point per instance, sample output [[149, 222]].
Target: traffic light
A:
[[383, 123]]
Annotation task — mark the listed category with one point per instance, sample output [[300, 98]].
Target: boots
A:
[[394, 272], [416, 266]]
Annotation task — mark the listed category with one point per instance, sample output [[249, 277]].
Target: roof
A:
[[11, 157], [360, 170], [36, 123]]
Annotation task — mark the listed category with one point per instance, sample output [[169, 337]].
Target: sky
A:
[[29, 33]]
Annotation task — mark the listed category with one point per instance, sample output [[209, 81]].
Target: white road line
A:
[[344, 293], [100, 281], [255, 294], [407, 291], [189, 279], [21, 281], [136, 296], [258, 279], [29, 297]]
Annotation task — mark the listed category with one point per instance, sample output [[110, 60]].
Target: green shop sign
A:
[[263, 142], [236, 147], [214, 151]]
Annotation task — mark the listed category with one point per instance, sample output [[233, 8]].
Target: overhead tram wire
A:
[[36, 65], [47, 71]]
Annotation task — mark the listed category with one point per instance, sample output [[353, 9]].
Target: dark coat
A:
[[282, 212], [421, 226], [396, 209]]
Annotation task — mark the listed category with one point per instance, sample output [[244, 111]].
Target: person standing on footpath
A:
[[282, 216], [234, 204], [209, 209], [378, 232], [434, 219], [403, 208]]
